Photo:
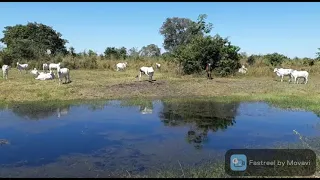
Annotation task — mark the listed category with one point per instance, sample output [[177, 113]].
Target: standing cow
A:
[[209, 70]]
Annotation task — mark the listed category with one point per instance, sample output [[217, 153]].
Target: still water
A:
[[75, 140]]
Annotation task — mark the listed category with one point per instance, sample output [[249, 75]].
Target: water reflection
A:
[[62, 111], [34, 111], [116, 135], [200, 117], [146, 110]]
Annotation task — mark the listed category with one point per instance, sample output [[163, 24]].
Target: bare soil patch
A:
[[137, 85], [154, 88]]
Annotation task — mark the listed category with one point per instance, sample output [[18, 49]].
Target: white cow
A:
[[45, 67], [35, 72], [5, 71], [121, 66], [300, 74], [283, 72], [46, 76], [54, 66], [21, 67], [243, 70], [149, 71], [63, 73], [158, 65]]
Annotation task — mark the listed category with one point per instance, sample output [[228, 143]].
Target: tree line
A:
[[187, 43]]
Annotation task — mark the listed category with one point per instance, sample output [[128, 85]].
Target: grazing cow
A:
[[300, 74], [243, 70], [54, 66], [21, 67], [45, 67], [121, 66], [45, 76], [35, 72], [5, 71], [158, 65], [283, 72], [149, 71], [209, 70], [64, 73]]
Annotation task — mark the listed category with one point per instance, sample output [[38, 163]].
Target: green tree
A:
[[198, 48], [115, 53], [122, 52], [6, 57], [32, 40], [111, 52], [134, 53], [151, 50], [217, 50], [180, 31], [72, 51], [275, 59], [91, 53], [167, 56]]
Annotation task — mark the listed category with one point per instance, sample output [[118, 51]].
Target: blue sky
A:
[[292, 29]]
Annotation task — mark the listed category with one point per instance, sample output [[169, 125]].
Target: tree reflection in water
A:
[[37, 111], [201, 117]]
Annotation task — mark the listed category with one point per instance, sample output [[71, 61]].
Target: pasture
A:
[[260, 83]]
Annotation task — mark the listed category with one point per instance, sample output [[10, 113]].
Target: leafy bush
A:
[[194, 56], [275, 59]]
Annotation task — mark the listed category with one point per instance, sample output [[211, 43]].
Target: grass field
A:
[[109, 84]]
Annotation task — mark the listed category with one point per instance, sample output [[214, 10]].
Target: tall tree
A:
[[33, 39], [151, 50], [176, 32], [180, 31]]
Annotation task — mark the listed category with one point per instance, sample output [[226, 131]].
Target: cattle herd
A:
[[149, 71], [61, 72], [65, 72], [293, 74], [281, 72]]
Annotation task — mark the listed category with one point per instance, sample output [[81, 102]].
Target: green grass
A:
[[109, 85]]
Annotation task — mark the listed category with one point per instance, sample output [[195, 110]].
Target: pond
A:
[[101, 139]]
